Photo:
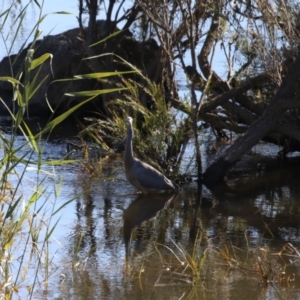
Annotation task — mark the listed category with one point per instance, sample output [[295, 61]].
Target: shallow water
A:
[[233, 230], [112, 243]]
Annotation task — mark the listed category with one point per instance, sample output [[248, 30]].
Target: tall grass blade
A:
[[12, 208], [63, 205], [33, 89], [4, 13], [107, 38], [94, 93], [58, 188], [39, 61], [51, 231], [37, 3], [102, 75], [20, 18], [49, 127], [10, 79]]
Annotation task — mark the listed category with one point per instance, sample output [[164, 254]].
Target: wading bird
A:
[[141, 175]]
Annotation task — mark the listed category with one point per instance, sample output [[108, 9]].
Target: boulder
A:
[[68, 50]]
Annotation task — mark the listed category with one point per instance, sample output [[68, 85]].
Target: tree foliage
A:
[[241, 55]]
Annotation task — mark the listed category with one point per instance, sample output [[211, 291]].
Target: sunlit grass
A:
[[29, 211], [157, 135]]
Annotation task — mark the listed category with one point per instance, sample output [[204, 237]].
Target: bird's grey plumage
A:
[[141, 175]]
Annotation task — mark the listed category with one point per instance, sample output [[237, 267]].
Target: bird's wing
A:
[[150, 178]]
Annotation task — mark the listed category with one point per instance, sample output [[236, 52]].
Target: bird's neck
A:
[[128, 148]]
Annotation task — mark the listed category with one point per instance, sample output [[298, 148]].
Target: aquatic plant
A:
[[202, 266], [160, 136], [28, 215]]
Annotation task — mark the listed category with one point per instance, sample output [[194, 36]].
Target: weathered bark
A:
[[91, 30], [203, 57], [233, 93], [282, 101]]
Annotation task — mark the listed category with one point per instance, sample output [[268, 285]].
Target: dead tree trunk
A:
[[268, 121]]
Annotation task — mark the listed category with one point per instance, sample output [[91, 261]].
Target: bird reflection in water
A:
[[143, 208]]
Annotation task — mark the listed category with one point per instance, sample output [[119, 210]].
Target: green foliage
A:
[[245, 47], [27, 218], [154, 131], [191, 262]]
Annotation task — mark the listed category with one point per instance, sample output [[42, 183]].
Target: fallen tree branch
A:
[[266, 123], [220, 99]]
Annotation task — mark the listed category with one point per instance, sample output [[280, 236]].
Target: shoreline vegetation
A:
[[103, 73], [127, 65]]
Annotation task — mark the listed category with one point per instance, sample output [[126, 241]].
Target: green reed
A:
[[29, 211]]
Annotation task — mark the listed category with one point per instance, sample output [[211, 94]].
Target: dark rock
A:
[[68, 50]]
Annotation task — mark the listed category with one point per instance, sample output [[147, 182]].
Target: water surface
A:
[[112, 243]]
